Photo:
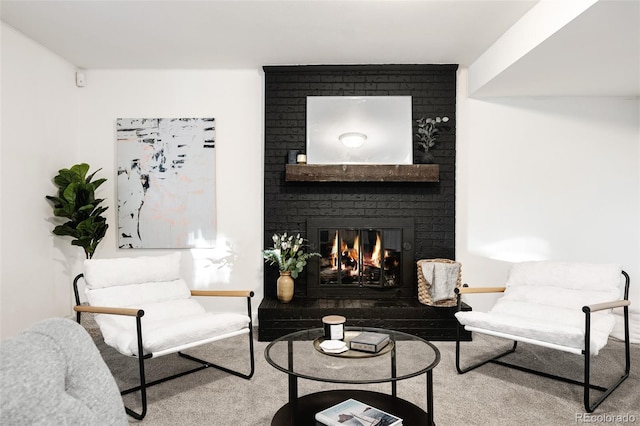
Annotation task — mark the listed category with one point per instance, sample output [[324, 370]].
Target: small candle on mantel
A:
[[301, 159]]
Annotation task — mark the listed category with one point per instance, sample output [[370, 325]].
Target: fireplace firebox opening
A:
[[361, 257]]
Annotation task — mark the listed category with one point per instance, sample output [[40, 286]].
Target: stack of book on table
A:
[[369, 341], [353, 412]]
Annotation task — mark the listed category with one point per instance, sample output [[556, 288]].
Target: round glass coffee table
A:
[[299, 356]]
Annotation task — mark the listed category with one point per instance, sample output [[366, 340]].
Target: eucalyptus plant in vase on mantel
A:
[[428, 132], [288, 254]]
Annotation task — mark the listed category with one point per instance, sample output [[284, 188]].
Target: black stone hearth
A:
[[410, 316]]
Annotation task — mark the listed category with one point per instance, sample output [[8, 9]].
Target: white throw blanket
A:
[[442, 279]]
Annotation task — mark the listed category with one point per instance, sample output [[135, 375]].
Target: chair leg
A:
[[207, 364], [493, 359], [143, 393], [606, 391], [203, 364], [143, 383], [588, 406], [481, 363], [225, 369]]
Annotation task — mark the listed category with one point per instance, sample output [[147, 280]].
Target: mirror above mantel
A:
[[360, 139], [359, 130]]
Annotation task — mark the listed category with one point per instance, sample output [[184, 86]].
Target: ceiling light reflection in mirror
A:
[[359, 130], [352, 139]]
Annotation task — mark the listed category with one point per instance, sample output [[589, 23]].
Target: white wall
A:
[[235, 100], [39, 126], [546, 178], [49, 124]]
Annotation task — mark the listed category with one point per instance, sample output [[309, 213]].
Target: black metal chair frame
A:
[[586, 384], [138, 314]]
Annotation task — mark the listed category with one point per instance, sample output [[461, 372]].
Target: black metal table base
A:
[[309, 405]]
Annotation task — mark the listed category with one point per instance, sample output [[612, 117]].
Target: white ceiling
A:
[[599, 49]]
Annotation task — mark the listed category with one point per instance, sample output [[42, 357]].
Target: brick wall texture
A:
[[288, 205]]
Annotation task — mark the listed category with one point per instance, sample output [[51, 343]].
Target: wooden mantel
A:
[[362, 173]]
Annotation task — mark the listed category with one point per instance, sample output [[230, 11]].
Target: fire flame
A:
[[375, 255], [352, 255]]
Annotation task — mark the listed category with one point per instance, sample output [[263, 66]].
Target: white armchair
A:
[[560, 305], [145, 310]]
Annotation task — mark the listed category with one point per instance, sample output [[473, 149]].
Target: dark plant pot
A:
[[426, 158]]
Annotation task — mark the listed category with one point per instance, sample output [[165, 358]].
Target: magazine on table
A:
[[355, 413]]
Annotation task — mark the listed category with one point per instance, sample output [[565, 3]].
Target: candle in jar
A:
[[302, 159], [334, 327]]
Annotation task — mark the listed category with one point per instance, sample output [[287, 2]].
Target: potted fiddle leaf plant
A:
[[76, 203]]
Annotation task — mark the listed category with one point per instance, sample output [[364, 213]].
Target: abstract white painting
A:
[[166, 182]]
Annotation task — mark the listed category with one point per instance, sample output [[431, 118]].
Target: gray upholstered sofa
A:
[[53, 374]]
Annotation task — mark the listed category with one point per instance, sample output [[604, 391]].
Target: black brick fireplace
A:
[[306, 206]]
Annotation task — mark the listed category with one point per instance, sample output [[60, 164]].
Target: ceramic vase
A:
[[284, 287]]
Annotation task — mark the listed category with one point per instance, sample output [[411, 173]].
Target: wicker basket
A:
[[424, 288]]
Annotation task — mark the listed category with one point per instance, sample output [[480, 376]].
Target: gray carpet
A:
[[490, 395]]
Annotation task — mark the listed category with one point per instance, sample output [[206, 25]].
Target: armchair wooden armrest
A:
[[605, 305], [469, 290], [223, 293], [106, 310]]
